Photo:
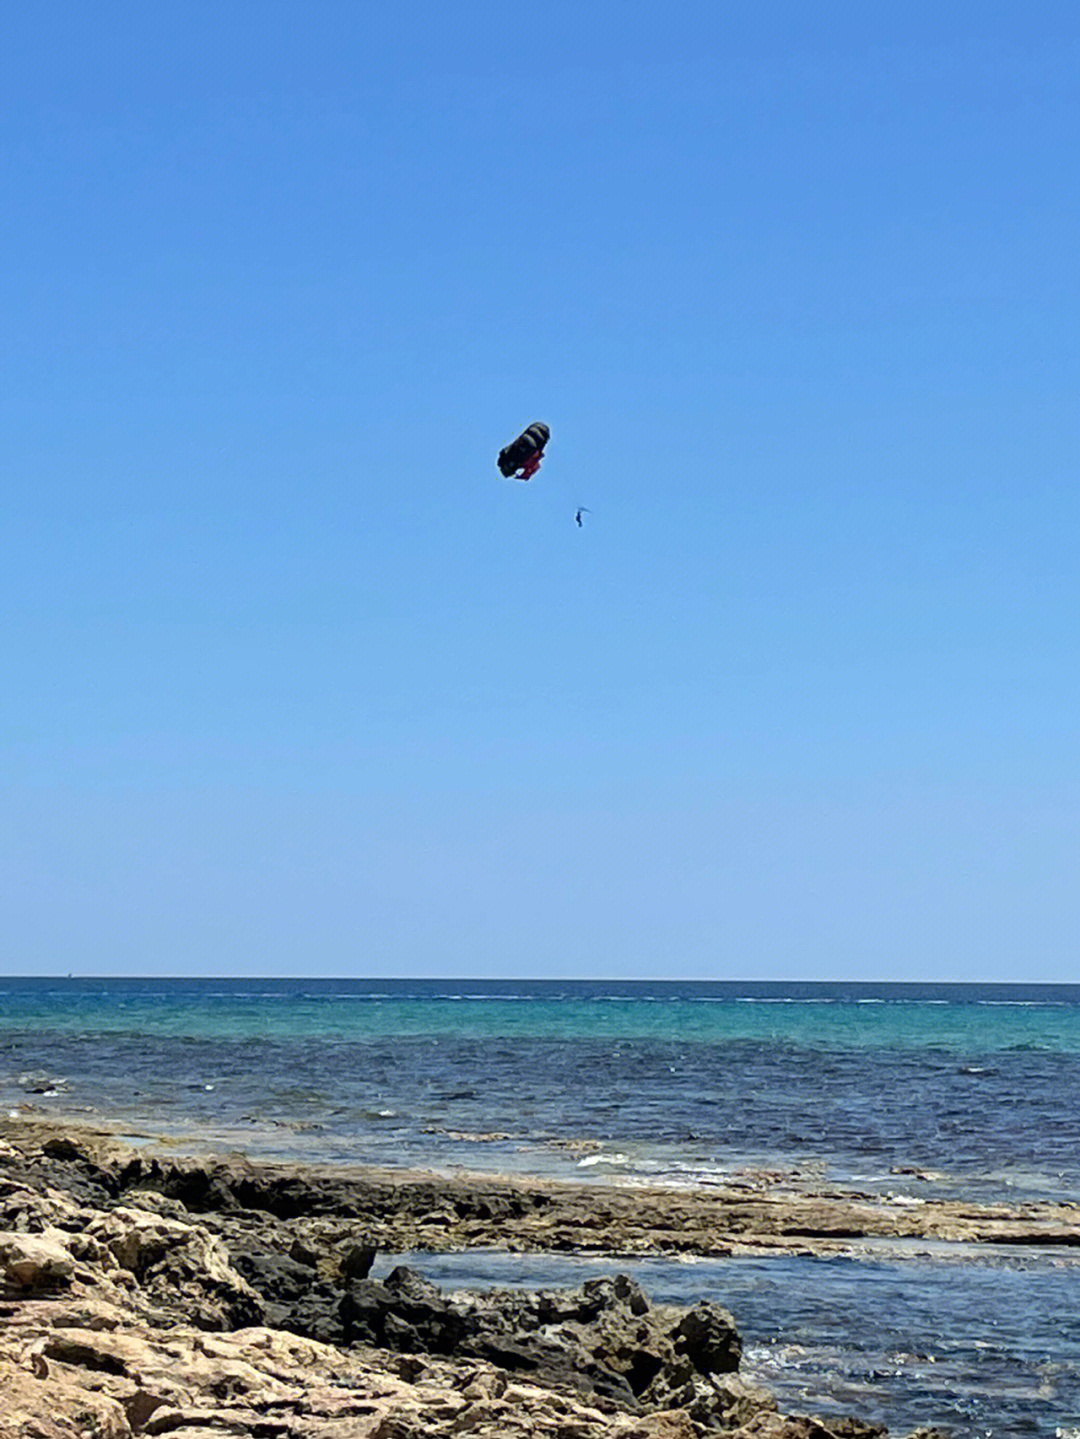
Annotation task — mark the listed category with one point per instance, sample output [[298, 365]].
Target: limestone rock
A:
[[183, 1266], [802, 1426], [126, 1315], [603, 1340], [36, 1262], [708, 1338]]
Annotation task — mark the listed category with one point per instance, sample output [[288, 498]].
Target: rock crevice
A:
[[126, 1314]]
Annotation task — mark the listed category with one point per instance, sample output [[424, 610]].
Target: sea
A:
[[970, 1092]]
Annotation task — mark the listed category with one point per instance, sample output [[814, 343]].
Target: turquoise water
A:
[[977, 1088], [963, 1091], [853, 1016]]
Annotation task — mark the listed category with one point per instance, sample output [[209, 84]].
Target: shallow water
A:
[[975, 1088], [978, 1345], [960, 1091]]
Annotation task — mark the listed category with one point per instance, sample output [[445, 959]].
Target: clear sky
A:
[[291, 682]]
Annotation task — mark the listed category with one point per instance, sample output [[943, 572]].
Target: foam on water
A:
[[972, 1091], [965, 1092], [976, 1344]]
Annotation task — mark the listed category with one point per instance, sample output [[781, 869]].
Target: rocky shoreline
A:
[[402, 1210], [146, 1293]]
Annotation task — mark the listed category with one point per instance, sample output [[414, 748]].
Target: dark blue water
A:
[[977, 1088], [980, 1345], [969, 1091]]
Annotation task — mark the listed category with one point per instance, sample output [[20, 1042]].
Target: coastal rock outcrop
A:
[[36, 1263], [397, 1211], [602, 1339], [130, 1316], [181, 1266]]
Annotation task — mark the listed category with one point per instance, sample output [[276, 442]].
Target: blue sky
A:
[[291, 682]]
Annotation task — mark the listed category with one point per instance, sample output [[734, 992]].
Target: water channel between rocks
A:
[[983, 1345]]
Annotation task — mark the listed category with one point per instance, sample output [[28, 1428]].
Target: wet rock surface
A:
[[142, 1295], [399, 1210], [603, 1339]]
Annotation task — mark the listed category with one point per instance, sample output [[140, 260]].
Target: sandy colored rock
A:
[[400, 1210], [132, 1304], [36, 1261], [183, 1265]]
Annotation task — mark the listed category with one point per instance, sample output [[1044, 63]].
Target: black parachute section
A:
[[525, 453]]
